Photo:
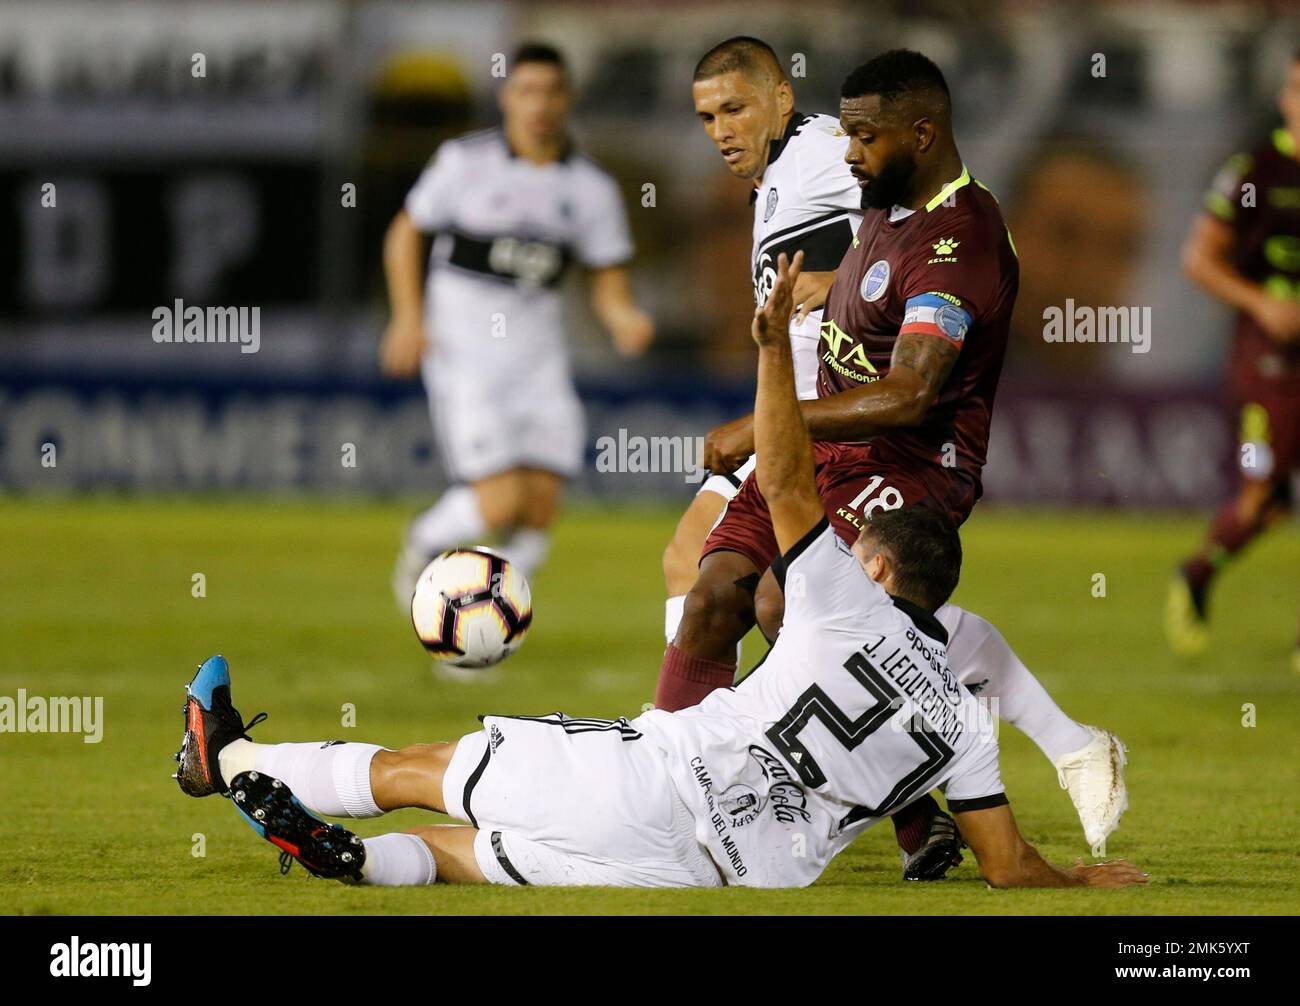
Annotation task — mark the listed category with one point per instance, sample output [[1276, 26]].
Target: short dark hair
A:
[[900, 75], [741, 52], [540, 52], [926, 550]]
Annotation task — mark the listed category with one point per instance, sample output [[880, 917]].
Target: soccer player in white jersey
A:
[[805, 198], [853, 714], [507, 210]]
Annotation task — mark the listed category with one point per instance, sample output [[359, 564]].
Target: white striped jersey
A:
[[808, 200], [504, 231], [852, 715]]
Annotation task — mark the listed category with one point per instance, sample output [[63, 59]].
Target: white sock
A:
[[674, 607], [454, 520], [398, 860], [978, 653], [332, 779], [527, 548]]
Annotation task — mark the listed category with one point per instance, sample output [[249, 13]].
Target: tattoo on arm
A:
[[929, 356]]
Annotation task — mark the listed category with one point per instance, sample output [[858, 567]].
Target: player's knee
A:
[[769, 607], [422, 760], [715, 611], [681, 564]]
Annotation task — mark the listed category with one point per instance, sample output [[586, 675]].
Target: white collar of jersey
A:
[[797, 119], [897, 213], [566, 153]]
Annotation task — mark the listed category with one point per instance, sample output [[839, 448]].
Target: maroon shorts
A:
[[853, 481], [1268, 425]]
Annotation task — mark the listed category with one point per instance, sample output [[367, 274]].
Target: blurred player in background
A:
[[797, 162], [507, 209], [1245, 251]]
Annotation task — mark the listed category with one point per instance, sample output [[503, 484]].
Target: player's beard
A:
[[890, 187]]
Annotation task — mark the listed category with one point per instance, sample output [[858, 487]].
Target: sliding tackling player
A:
[[853, 715]]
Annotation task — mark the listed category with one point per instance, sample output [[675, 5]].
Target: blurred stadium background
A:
[[226, 189]]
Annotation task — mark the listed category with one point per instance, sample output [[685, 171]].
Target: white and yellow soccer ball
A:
[[471, 608]]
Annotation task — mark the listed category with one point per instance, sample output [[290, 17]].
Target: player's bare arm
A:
[[918, 368], [630, 328], [810, 293], [1208, 262], [785, 464], [404, 255], [1007, 860]]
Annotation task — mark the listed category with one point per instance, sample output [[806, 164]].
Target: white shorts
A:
[[563, 802], [727, 486], [485, 426]]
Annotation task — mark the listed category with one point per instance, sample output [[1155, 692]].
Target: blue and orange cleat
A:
[[324, 849], [211, 722]]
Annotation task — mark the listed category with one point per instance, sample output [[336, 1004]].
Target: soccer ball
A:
[[471, 608]]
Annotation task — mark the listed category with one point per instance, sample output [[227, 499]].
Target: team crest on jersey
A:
[[741, 803], [952, 321], [771, 205], [875, 281]]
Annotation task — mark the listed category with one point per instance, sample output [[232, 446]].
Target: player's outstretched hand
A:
[[1279, 318], [772, 320], [1115, 873], [633, 332], [402, 347]]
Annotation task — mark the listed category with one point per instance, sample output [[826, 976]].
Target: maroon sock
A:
[[684, 680], [913, 822], [1229, 534]]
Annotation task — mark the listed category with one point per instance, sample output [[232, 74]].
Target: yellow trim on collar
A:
[[1284, 142], [949, 189]]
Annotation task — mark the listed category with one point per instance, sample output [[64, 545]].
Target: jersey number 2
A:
[[816, 704]]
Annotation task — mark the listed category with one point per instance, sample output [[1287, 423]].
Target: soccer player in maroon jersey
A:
[[913, 337], [1245, 251]]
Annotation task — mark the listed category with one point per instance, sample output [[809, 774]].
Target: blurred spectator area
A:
[[1098, 125]]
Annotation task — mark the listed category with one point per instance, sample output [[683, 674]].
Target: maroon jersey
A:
[[1258, 196], [950, 271]]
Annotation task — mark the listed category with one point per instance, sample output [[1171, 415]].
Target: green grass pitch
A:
[[95, 599]]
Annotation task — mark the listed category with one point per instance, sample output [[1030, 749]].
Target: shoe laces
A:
[[259, 718]]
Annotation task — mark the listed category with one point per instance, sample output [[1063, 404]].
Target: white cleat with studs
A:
[[1094, 778]]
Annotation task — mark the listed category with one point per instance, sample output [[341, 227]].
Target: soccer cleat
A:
[[938, 854], [211, 723], [1186, 628], [324, 849], [1094, 778]]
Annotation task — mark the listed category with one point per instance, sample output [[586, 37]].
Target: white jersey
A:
[[504, 230], [808, 200], [853, 714]]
